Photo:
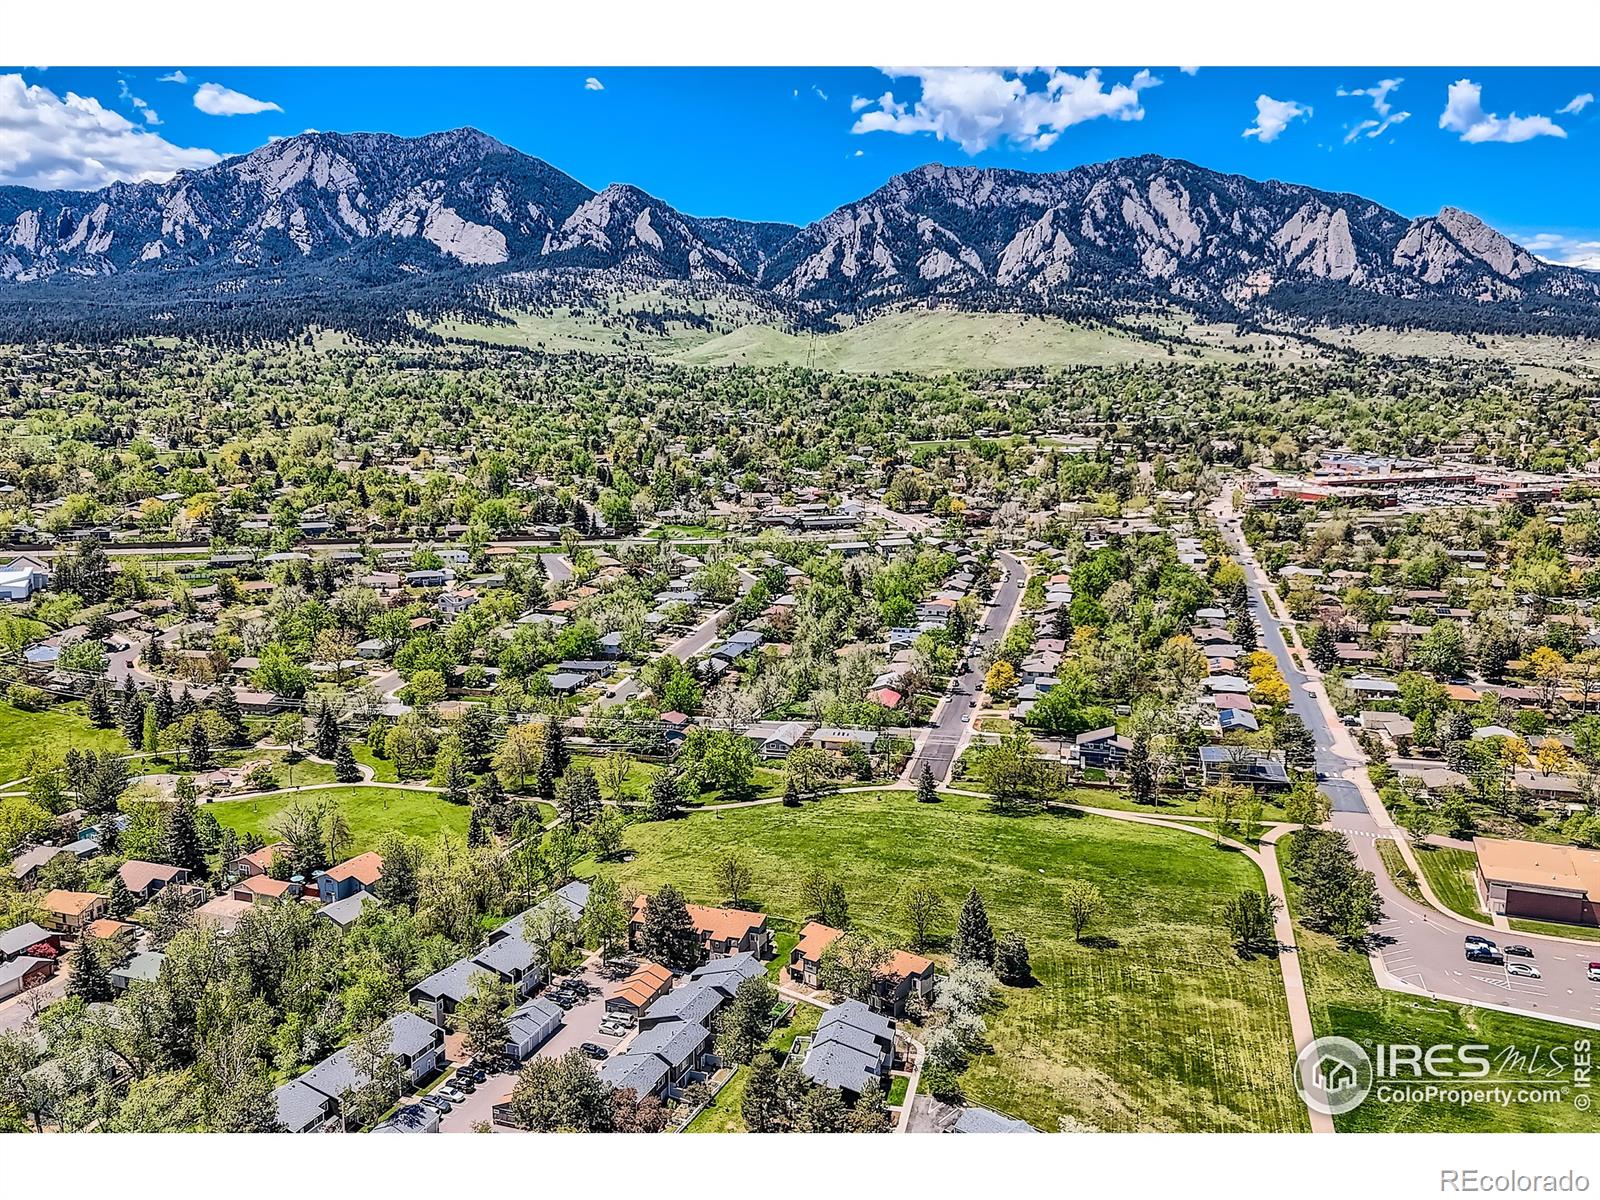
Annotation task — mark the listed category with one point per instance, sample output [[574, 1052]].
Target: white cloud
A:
[[1565, 249], [1463, 113], [76, 142], [175, 77], [125, 94], [859, 154], [1576, 105], [1190, 70], [857, 103], [1273, 117], [592, 84], [977, 107], [1384, 117], [820, 94], [219, 101]]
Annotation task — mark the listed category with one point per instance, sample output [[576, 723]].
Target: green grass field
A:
[[1158, 1026], [1450, 873], [370, 811], [1587, 933], [1345, 1000], [48, 735]]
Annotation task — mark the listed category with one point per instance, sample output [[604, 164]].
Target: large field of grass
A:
[[48, 735], [1346, 1000], [1156, 1025], [1586, 933], [1450, 873], [371, 811]]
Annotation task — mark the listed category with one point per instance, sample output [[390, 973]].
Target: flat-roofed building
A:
[[1538, 880]]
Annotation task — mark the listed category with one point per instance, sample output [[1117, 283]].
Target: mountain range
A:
[[314, 214]]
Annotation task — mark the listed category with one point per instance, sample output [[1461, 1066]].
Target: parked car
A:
[[1525, 970], [1519, 951], [463, 1082], [451, 1094], [1473, 939], [1594, 972], [1485, 954], [436, 1103], [593, 1050]]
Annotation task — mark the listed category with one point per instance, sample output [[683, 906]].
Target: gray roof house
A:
[[345, 913], [445, 989], [680, 1045], [412, 1040], [300, 1106], [694, 1002], [853, 1047], [726, 974], [986, 1120], [14, 941], [512, 960], [646, 1074]]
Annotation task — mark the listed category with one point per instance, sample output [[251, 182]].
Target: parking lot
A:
[[582, 1024]]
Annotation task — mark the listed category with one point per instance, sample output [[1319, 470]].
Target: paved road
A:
[[1424, 949], [947, 733]]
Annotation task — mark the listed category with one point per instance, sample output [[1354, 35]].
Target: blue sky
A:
[[1515, 146]]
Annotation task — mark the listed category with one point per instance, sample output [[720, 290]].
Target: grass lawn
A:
[[722, 1114], [1158, 1025], [25, 736], [898, 1087], [1395, 862], [370, 811], [382, 769], [1345, 1000], [1451, 874], [1556, 929]]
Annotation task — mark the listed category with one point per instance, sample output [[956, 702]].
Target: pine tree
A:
[[101, 715], [150, 736], [1322, 647], [345, 769], [1011, 959], [668, 935], [1245, 632], [491, 798], [180, 839], [457, 783], [90, 980], [578, 797], [161, 703], [666, 796], [199, 745], [120, 905], [791, 793], [1141, 772], [553, 759], [185, 707], [475, 832], [927, 787], [130, 715], [327, 733], [760, 1108], [227, 707], [974, 935]]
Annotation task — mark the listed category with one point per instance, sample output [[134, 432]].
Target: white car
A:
[[451, 1094], [1526, 970]]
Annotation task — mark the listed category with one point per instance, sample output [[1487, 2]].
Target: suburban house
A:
[[831, 737], [1102, 747], [1241, 764], [722, 931], [636, 992], [358, 874], [69, 912], [345, 913], [262, 887], [852, 1049], [726, 974], [258, 862], [21, 577], [573, 896], [646, 1074], [975, 1119], [511, 960], [145, 879], [23, 939], [682, 1046], [1538, 880], [311, 1100], [442, 991], [19, 974], [902, 977], [775, 739], [140, 968]]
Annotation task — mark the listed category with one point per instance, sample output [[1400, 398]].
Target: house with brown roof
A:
[[358, 874], [145, 879], [636, 993], [254, 888], [258, 862], [69, 912], [723, 931], [903, 976]]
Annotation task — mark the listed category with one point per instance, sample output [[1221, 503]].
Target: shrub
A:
[[28, 698]]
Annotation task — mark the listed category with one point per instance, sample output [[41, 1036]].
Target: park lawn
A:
[[383, 770], [48, 735], [371, 811], [1452, 873], [723, 1114], [1346, 1001], [1156, 1025], [1394, 862]]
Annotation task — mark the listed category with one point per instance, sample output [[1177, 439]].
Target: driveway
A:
[[948, 733], [582, 1024]]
